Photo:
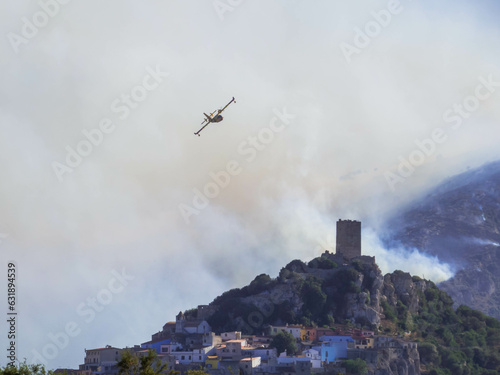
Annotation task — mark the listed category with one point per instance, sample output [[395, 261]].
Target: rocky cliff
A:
[[405, 361]]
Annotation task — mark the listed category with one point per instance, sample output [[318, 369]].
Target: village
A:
[[190, 344]]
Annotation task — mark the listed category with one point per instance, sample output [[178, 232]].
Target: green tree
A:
[[131, 364], [355, 366], [24, 369], [428, 353], [314, 298], [284, 341]]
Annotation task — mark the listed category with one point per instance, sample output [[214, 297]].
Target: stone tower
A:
[[349, 238]]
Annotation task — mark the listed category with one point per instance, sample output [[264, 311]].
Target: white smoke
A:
[[405, 259], [483, 242]]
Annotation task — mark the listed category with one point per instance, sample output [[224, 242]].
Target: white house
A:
[[294, 330], [292, 360], [211, 339], [169, 348], [315, 356], [264, 353], [248, 364], [194, 356], [102, 360], [183, 358], [230, 336], [197, 327]]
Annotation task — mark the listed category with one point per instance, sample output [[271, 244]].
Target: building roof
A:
[[249, 359], [106, 348], [160, 340], [363, 338], [287, 326]]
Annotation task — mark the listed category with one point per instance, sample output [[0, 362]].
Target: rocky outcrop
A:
[[351, 291], [359, 309], [265, 301], [397, 361], [402, 286]]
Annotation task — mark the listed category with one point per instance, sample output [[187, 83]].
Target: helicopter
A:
[[214, 117]]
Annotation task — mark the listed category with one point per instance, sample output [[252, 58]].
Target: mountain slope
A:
[[459, 222]]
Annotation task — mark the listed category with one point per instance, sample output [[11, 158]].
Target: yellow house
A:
[[212, 362], [364, 342], [303, 333]]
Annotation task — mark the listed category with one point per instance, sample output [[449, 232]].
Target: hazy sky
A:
[[332, 99]]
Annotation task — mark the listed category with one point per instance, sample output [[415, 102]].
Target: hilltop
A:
[[330, 289]]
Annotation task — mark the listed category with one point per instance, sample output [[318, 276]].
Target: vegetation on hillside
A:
[[461, 342], [355, 366]]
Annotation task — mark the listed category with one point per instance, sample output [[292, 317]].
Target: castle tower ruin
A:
[[349, 238]]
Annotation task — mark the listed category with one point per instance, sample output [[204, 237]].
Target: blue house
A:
[[333, 351], [155, 345]]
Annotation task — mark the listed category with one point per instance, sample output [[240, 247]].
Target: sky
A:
[[115, 216]]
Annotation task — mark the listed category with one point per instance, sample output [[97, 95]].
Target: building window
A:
[[182, 358]]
